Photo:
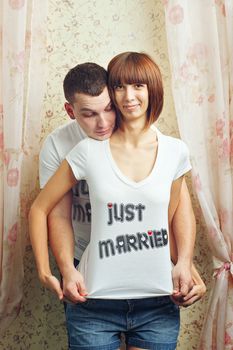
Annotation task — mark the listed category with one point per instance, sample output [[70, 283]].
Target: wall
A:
[[80, 31]]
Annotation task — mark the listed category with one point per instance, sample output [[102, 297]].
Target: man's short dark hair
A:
[[86, 78]]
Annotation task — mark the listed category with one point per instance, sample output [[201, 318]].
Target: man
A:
[[89, 105]]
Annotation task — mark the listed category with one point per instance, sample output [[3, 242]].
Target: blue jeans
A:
[[97, 324]]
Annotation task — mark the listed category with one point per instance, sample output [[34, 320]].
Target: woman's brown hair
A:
[[135, 67]]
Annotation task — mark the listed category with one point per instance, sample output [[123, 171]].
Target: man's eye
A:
[[88, 115]]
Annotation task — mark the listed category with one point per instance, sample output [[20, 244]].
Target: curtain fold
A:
[[200, 45], [22, 88]]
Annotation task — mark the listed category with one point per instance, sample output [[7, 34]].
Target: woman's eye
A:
[[118, 87], [109, 108]]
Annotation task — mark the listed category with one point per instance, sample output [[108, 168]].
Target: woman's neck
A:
[[133, 133]]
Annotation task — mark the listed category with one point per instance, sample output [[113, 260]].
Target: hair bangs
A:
[[130, 74], [129, 70]]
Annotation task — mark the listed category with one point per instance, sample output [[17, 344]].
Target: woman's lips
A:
[[131, 107]]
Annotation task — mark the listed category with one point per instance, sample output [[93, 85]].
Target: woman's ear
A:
[[69, 110]]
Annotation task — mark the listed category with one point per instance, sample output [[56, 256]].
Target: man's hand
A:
[[52, 283], [196, 293], [61, 240], [74, 289], [182, 279]]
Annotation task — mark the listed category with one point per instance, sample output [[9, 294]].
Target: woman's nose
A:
[[129, 93]]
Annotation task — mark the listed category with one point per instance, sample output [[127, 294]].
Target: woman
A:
[[126, 268]]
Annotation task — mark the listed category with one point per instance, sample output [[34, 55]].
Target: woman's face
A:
[[132, 100]]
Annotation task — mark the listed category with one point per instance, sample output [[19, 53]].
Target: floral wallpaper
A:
[[91, 30]]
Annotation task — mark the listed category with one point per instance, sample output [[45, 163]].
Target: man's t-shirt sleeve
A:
[[77, 159], [49, 161], [184, 164]]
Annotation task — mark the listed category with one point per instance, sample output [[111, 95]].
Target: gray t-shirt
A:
[[55, 148]]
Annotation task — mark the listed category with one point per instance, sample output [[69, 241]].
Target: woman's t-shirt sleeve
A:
[[184, 164], [77, 159]]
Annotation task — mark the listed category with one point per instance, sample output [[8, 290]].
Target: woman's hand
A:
[[52, 283]]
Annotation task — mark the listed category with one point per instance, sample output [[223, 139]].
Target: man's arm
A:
[[61, 240], [183, 227], [198, 289]]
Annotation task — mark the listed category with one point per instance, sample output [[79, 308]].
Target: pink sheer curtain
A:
[[22, 87], [200, 43]]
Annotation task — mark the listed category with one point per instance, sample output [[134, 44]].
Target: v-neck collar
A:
[[125, 178]]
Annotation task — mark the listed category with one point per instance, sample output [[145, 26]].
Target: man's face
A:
[[95, 114]]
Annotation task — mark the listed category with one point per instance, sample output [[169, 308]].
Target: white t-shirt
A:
[[128, 255], [55, 148]]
